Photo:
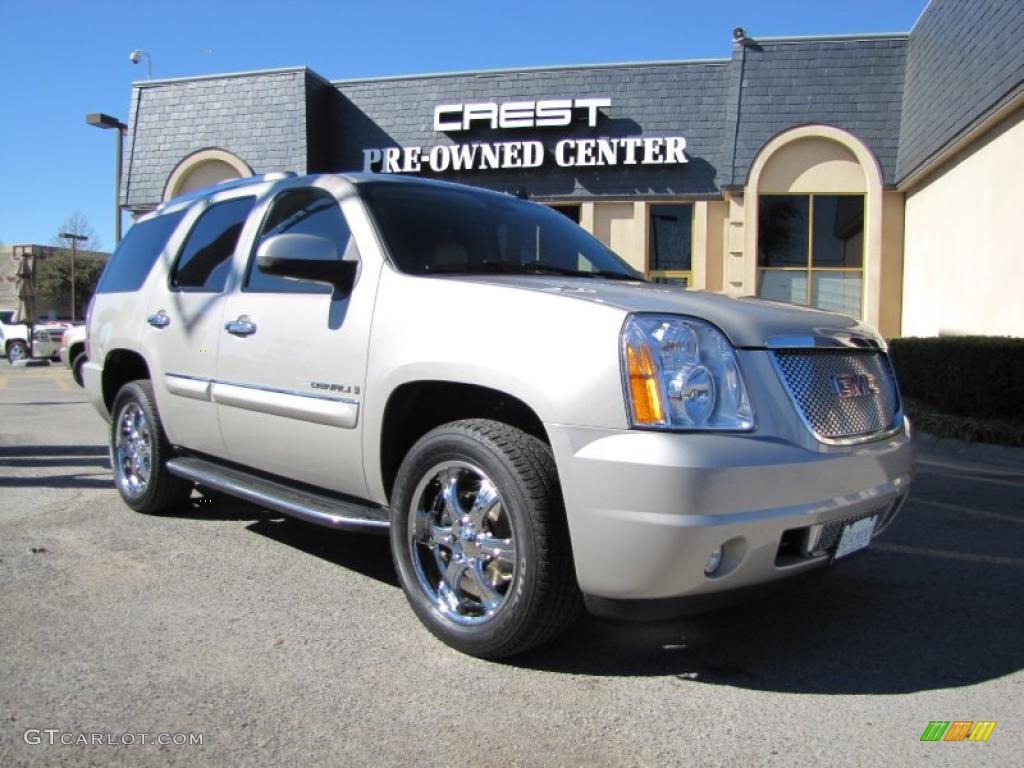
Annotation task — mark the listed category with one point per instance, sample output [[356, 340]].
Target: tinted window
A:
[[671, 237], [135, 256], [782, 230], [307, 212], [838, 230], [205, 259], [430, 229]]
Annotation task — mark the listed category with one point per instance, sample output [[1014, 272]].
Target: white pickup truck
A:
[[21, 341], [537, 426]]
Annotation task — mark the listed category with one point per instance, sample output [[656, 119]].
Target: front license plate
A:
[[855, 536]]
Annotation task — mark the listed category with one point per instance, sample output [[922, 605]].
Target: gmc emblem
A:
[[847, 385]]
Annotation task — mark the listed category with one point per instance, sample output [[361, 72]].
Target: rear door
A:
[[292, 354], [184, 326]]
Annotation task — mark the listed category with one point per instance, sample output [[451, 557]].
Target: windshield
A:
[[439, 230]]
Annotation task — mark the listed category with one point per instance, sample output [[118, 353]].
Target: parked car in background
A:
[[46, 340], [72, 351], [14, 341]]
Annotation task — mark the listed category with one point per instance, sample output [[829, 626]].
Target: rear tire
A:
[[480, 541], [76, 368], [139, 451]]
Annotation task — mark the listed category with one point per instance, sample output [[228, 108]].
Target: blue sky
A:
[[61, 60]]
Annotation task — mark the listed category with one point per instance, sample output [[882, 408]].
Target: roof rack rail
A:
[[198, 194]]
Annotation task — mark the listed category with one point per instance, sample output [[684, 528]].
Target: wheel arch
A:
[[416, 407], [119, 367]]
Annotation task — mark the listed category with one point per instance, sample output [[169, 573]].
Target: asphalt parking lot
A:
[[281, 643]]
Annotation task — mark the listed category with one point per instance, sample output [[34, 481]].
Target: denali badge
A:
[[345, 389], [847, 385]]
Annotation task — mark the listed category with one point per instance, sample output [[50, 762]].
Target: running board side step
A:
[[312, 507]]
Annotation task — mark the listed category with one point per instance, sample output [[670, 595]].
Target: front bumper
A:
[[49, 350], [646, 509]]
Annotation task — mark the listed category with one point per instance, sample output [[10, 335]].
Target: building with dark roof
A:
[[877, 175]]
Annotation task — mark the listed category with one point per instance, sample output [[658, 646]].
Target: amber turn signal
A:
[[644, 385]]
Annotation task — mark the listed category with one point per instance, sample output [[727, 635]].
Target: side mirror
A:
[[307, 257]]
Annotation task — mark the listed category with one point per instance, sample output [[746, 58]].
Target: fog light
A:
[[714, 560]]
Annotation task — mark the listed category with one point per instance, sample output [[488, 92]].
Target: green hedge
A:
[[974, 377]]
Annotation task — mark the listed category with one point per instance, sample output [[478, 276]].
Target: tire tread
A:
[[556, 601], [165, 491]]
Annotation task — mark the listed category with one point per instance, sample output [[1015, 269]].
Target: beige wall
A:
[[8, 278], [891, 282], [963, 251], [714, 255], [620, 226]]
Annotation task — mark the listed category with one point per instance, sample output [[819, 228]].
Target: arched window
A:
[[203, 169], [813, 205]]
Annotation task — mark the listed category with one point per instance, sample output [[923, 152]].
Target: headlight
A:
[[681, 373]]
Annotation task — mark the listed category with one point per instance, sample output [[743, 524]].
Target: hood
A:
[[748, 322]]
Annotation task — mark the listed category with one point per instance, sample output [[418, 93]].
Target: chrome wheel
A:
[[462, 543], [133, 449]]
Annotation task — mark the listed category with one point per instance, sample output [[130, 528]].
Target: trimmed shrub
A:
[[975, 377]]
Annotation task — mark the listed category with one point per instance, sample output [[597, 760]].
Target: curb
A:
[[982, 453]]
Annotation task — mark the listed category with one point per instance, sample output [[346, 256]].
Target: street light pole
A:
[[100, 120], [74, 242]]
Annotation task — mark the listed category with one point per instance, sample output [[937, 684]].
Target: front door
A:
[[292, 360]]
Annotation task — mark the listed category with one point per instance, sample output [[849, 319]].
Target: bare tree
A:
[[77, 224], [54, 273]]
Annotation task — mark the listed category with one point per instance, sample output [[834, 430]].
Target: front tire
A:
[[480, 541], [16, 351], [139, 451]]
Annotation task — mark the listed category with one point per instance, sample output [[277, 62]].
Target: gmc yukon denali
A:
[[536, 427]]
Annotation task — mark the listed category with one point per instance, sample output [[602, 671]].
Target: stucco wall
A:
[[963, 254]]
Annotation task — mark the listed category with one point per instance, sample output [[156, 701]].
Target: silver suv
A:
[[537, 426]]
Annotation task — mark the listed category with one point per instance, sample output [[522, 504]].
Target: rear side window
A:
[[205, 258], [135, 256], [306, 211]]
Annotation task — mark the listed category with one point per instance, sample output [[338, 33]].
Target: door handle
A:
[[159, 320], [243, 326]]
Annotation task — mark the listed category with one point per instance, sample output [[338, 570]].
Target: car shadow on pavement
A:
[[70, 457], [887, 621], [365, 553], [52, 450]]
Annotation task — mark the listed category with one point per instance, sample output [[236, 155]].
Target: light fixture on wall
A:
[[135, 56], [739, 35]]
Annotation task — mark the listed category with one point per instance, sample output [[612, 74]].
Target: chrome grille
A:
[[810, 376]]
